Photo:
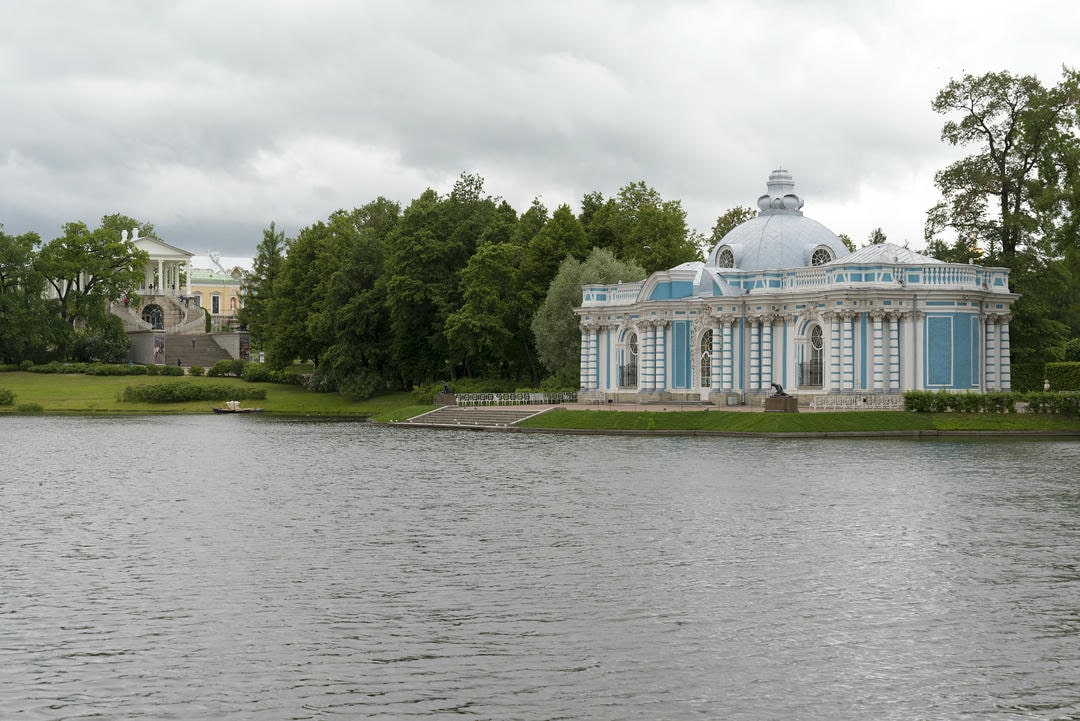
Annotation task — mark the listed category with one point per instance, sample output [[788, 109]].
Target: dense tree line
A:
[[449, 286]]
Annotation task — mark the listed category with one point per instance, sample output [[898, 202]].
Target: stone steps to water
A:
[[476, 417], [203, 352]]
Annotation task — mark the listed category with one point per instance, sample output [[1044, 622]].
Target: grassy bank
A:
[[79, 394], [817, 422]]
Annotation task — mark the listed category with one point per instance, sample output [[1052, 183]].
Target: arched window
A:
[[153, 315], [812, 369], [725, 258], [628, 371], [821, 255], [705, 358]]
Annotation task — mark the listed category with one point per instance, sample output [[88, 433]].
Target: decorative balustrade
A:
[[618, 294], [515, 399], [858, 402]]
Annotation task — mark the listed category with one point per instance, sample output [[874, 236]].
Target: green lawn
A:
[[817, 422], [80, 394], [56, 393]]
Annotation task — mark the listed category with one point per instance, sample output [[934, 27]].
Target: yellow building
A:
[[216, 284]]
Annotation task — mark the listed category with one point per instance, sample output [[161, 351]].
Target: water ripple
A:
[[191, 568]]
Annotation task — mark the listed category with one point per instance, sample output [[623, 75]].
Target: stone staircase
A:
[[205, 352], [457, 416]]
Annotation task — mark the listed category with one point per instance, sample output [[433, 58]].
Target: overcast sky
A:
[[211, 119]]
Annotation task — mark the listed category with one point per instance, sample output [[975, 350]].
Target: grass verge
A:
[[818, 422], [79, 394]]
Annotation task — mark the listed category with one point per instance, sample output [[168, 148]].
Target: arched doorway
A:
[[705, 359], [811, 373], [155, 316], [628, 369]]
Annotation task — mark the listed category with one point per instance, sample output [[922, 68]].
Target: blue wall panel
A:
[[939, 350], [682, 357]]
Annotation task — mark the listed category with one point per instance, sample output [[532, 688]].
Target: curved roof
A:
[[780, 237]]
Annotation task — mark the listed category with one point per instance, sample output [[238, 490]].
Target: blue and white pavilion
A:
[[780, 300]]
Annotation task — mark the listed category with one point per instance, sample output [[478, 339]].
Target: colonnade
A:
[[875, 350]]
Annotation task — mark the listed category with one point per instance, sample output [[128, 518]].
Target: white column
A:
[[990, 352], [187, 277], [879, 353], [593, 362], [1004, 355], [728, 360], [160, 276], [583, 367], [847, 353], [660, 357], [766, 352], [645, 367], [755, 354], [833, 355], [894, 352]]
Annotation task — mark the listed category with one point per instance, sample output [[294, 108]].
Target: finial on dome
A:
[[781, 196]]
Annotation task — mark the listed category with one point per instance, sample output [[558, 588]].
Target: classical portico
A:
[[781, 300]]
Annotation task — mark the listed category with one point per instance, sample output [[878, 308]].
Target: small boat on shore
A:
[[234, 407]]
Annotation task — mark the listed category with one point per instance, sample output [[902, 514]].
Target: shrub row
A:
[[1063, 376], [946, 402], [183, 391], [104, 369], [250, 372], [1063, 403]]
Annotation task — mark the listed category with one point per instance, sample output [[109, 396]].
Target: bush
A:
[[29, 409], [26, 365], [227, 368], [8, 368], [196, 371], [1063, 376], [998, 402], [7, 397], [256, 373], [184, 391]]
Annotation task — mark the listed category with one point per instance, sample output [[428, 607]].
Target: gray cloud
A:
[[212, 119]]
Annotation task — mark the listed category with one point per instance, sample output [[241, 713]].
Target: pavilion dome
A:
[[780, 237]]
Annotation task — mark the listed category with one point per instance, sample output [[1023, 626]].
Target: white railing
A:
[[515, 399], [618, 294], [859, 402]]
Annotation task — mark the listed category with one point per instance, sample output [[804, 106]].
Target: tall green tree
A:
[[639, 225], [487, 331], [357, 362], [556, 327], [1008, 193], [561, 235], [426, 254], [85, 270], [28, 326], [258, 285]]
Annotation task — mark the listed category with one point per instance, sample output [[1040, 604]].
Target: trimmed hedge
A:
[[1063, 376], [184, 391], [946, 402], [106, 369]]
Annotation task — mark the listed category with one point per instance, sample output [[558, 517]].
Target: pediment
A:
[[160, 250]]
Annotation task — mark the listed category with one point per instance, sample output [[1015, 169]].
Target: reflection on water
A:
[[254, 568]]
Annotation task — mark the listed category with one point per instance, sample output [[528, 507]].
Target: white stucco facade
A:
[[780, 300]]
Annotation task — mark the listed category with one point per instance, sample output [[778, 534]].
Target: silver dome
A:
[[780, 237]]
